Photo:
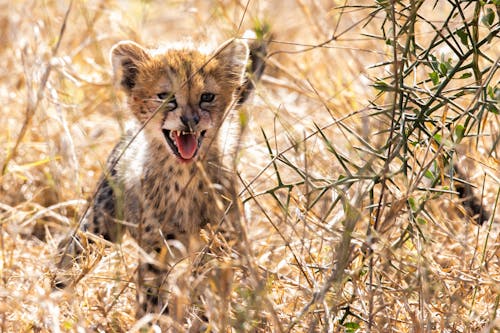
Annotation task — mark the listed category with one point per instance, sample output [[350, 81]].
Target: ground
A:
[[342, 233]]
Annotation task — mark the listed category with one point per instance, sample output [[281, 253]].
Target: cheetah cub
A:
[[165, 180]]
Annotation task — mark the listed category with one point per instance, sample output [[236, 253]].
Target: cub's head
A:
[[184, 91]]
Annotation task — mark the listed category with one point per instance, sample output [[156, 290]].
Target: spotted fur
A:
[[158, 186]]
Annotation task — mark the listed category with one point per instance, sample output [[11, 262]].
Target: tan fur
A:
[[151, 189]]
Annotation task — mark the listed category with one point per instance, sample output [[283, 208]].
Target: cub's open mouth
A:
[[185, 145]]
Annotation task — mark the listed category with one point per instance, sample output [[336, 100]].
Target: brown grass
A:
[[313, 168]]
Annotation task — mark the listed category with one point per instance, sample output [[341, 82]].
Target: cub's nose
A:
[[190, 122]]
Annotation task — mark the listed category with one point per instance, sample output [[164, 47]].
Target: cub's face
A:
[[182, 92]]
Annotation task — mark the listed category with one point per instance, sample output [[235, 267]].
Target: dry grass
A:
[[344, 236]]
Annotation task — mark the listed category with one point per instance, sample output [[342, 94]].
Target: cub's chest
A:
[[179, 197]]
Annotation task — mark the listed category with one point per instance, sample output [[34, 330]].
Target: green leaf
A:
[[261, 28], [429, 175], [465, 75], [243, 118], [383, 86], [490, 92], [488, 18], [413, 143], [492, 108], [421, 221], [459, 133], [443, 68], [434, 77], [494, 93], [462, 34], [438, 137], [413, 204], [445, 65], [351, 327]]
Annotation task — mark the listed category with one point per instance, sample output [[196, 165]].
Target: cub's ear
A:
[[126, 56], [233, 58], [257, 62]]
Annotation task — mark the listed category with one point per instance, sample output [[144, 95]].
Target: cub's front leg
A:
[[100, 220], [162, 277]]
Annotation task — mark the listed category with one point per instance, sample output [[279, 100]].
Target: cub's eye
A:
[[207, 98], [165, 95], [169, 97]]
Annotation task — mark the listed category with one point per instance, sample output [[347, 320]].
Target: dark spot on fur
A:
[[170, 169], [171, 236], [95, 229], [200, 185], [109, 206], [108, 192], [152, 296], [151, 299], [148, 228], [176, 186], [164, 158], [145, 307], [179, 228], [153, 268], [107, 236], [204, 222], [104, 194]]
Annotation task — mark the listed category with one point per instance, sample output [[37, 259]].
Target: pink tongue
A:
[[186, 143]]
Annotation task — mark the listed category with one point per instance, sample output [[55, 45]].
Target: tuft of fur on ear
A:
[[232, 55], [126, 56]]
